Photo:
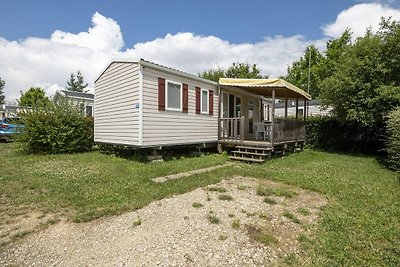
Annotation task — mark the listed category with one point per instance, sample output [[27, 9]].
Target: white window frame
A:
[[166, 96], [208, 101]]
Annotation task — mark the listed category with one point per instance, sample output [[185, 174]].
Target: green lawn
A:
[[359, 227]]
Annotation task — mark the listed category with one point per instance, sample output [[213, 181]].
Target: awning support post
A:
[[273, 117], [305, 109], [297, 108], [219, 111], [286, 103]]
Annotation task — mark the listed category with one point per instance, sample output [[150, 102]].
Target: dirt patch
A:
[[199, 228]]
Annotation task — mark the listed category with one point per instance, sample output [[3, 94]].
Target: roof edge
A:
[[150, 64]]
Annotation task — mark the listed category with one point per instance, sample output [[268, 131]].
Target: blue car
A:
[[9, 127]]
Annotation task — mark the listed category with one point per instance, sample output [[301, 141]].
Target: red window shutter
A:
[[211, 102], [161, 94], [197, 100], [185, 98]]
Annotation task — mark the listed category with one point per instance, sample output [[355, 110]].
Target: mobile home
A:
[[146, 105], [143, 104]]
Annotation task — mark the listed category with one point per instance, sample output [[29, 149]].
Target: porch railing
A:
[[289, 130], [232, 128]]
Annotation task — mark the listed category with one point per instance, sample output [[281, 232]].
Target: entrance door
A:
[[234, 110]]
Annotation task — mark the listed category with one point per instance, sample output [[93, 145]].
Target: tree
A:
[[76, 83], [298, 72], [34, 97], [237, 70], [244, 70], [365, 85], [213, 74], [2, 97]]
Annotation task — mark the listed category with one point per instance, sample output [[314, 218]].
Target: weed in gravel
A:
[[231, 215], [197, 205], [137, 221], [264, 216], [280, 192], [303, 211], [213, 219], [269, 200], [222, 237], [250, 214], [236, 224], [186, 217], [264, 191], [225, 197], [217, 189], [305, 241], [241, 187], [208, 197], [290, 259], [291, 216], [261, 235]]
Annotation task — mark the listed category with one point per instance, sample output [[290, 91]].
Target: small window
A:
[[174, 96], [89, 111], [204, 102]]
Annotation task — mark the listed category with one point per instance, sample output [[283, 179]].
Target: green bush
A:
[[393, 141], [332, 134], [60, 128]]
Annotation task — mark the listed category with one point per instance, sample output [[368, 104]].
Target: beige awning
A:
[[264, 87]]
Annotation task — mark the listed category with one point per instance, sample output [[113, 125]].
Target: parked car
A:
[[9, 127]]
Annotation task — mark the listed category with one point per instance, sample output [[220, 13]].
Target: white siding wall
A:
[[173, 127], [117, 91]]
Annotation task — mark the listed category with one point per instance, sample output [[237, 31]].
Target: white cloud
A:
[[194, 53], [105, 35], [49, 62], [359, 17]]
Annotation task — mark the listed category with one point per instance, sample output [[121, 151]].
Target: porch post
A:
[[305, 109], [219, 111], [286, 103], [297, 108], [273, 117]]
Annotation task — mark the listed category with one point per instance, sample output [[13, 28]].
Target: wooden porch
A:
[[269, 135]]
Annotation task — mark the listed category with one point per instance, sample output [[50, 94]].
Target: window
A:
[[89, 111], [251, 111], [174, 96], [204, 102]]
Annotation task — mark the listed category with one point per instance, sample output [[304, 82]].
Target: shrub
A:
[[60, 128], [332, 134], [393, 141]]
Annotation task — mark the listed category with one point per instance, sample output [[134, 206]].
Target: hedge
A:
[[393, 141], [62, 128], [332, 134]]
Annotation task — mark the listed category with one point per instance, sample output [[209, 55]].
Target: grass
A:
[[235, 224], [291, 217], [137, 221], [212, 219], [303, 211], [225, 197], [261, 235], [269, 200], [197, 205], [92, 185], [359, 227], [217, 189]]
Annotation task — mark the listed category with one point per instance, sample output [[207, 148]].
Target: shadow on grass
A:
[[146, 155]]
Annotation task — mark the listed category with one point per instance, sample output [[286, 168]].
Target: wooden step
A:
[[254, 148], [247, 159], [250, 153]]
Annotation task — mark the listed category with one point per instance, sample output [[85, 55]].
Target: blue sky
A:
[[42, 42], [235, 21]]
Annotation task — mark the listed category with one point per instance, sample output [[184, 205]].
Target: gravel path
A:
[[171, 232]]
